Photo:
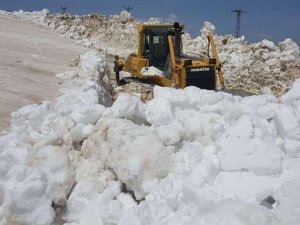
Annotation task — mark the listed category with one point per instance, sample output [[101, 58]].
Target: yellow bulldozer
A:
[[160, 46]]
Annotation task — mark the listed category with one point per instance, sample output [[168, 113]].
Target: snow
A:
[[36, 170], [207, 29], [268, 45], [208, 175], [125, 17], [151, 71], [25, 200], [260, 155], [254, 67], [290, 47], [187, 156]]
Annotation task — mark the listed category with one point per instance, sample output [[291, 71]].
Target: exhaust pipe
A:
[[177, 37]]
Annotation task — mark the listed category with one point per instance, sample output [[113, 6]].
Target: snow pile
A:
[[289, 49], [115, 34], [193, 157], [207, 29], [125, 17], [252, 67], [186, 157], [36, 170], [97, 31], [151, 71], [35, 16]]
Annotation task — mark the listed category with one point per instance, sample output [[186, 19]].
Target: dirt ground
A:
[[30, 56]]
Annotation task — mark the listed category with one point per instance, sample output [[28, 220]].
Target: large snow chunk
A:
[[246, 186], [207, 29], [292, 145], [53, 160], [159, 112], [248, 145], [34, 120], [103, 209], [80, 132], [286, 119], [135, 154], [233, 212], [151, 71], [93, 202], [169, 134], [129, 107], [200, 162], [88, 114], [74, 98], [81, 195], [288, 45], [45, 11], [293, 94], [268, 45], [125, 16], [92, 65], [25, 199], [288, 197]]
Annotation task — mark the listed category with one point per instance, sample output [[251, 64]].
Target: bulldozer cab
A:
[[156, 46]]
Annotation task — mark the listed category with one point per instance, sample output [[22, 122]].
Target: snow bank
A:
[[187, 156], [252, 67], [195, 157], [184, 151], [35, 16], [36, 167]]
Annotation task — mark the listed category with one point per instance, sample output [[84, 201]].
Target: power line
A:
[[63, 9], [238, 13]]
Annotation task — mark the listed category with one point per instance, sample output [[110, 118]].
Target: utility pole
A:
[[238, 13], [128, 8], [64, 9]]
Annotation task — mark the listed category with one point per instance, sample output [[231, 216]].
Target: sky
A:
[[274, 20]]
